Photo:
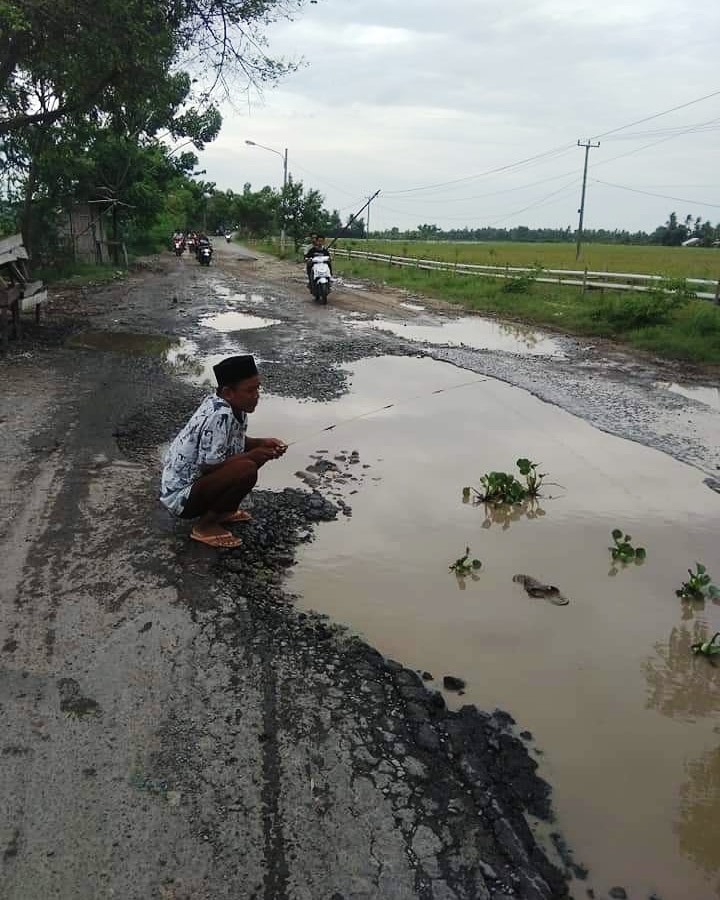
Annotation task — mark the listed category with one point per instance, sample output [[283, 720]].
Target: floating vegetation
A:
[[699, 586], [623, 551], [503, 488], [464, 566]]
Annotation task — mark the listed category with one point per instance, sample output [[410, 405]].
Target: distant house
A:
[[83, 234]]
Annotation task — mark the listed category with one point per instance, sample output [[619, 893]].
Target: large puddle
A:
[[133, 343], [472, 331], [232, 320], [626, 716], [705, 394]]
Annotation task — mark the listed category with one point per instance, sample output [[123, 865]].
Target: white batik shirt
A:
[[212, 435]]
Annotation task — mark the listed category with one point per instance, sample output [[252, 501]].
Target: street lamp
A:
[[206, 196], [284, 158]]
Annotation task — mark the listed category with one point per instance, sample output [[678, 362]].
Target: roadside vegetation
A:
[[675, 325], [683, 262]]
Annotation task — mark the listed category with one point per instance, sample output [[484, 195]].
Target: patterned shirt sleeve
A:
[[213, 440]]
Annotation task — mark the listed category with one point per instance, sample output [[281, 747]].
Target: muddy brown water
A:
[[471, 331], [625, 716], [701, 393]]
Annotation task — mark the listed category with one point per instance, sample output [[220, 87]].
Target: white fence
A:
[[584, 278]]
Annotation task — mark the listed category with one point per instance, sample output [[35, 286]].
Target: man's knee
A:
[[243, 470]]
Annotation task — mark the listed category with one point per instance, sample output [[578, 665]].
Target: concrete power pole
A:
[[587, 145], [367, 227]]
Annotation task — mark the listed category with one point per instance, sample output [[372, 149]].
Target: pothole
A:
[[469, 331], [232, 320], [122, 342], [705, 394]]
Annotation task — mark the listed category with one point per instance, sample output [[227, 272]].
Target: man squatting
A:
[[212, 465]]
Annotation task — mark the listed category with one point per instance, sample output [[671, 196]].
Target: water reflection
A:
[[697, 827], [505, 515], [523, 334], [680, 684], [472, 331], [701, 393]]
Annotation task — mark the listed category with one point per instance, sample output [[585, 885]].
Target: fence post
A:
[[584, 285], [390, 261], [717, 292]]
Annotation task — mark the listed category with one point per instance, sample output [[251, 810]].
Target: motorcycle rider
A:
[[317, 248]]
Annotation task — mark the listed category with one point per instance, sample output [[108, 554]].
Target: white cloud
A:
[[400, 94]]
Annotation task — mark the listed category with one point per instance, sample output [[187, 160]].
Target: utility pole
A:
[[284, 203], [587, 145], [367, 227]]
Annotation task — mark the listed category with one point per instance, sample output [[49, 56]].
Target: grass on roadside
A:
[[686, 262], [78, 274], [688, 331]]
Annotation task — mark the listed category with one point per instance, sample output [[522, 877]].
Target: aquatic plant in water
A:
[[698, 586], [464, 565], [707, 648], [500, 488], [623, 551]]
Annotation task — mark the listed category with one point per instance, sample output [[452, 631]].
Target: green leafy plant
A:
[[499, 488], [623, 551], [533, 478], [707, 648], [698, 586], [464, 565], [522, 284]]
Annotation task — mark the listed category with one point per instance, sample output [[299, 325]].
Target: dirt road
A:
[[172, 726]]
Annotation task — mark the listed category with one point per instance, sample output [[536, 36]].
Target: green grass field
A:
[[687, 330], [686, 262]]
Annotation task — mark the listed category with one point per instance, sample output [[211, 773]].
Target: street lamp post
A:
[[284, 157]]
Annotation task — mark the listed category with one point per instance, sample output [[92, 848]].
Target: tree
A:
[[302, 211], [88, 55]]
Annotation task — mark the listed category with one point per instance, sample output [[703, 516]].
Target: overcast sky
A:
[[402, 94]]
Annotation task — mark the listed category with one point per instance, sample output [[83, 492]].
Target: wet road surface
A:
[[164, 738]]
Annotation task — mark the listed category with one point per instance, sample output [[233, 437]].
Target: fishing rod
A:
[[352, 218], [372, 412]]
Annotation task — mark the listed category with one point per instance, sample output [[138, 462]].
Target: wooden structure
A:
[[17, 292], [83, 233]]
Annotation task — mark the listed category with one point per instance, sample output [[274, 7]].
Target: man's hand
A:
[[275, 444], [261, 455], [265, 449]]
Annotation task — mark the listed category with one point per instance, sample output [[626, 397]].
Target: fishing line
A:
[[372, 412]]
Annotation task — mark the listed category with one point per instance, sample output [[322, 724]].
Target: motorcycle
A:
[[228, 236], [191, 245], [179, 246], [320, 278], [204, 254]]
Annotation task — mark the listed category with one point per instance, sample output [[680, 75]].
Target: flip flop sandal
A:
[[217, 541], [240, 516]]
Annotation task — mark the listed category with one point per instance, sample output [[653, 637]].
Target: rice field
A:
[[675, 262]]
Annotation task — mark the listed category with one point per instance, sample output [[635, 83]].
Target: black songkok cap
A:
[[233, 369]]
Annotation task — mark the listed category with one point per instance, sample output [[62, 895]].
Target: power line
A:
[[665, 112], [624, 187], [539, 202], [519, 163], [550, 153]]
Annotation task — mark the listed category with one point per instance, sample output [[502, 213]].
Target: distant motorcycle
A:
[[178, 246], [204, 254], [320, 278]]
